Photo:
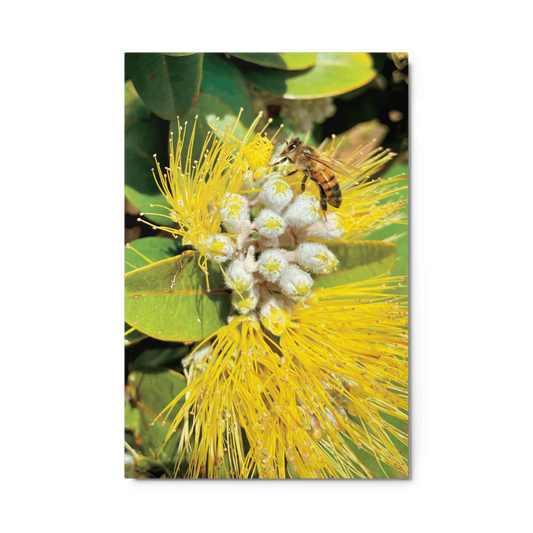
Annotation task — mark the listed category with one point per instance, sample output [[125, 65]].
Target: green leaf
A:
[[160, 359], [168, 84], [208, 109], [333, 74], [223, 79], [283, 61], [154, 248], [131, 418], [143, 140], [172, 53], [175, 54], [150, 394], [359, 261], [133, 108], [401, 267], [133, 336], [169, 299]]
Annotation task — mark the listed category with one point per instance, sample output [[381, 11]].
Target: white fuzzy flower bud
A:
[[198, 356], [218, 248], [276, 194], [238, 278], [234, 212], [305, 113], [275, 316], [249, 261], [295, 283], [333, 228], [269, 225], [247, 303], [303, 211], [271, 264], [316, 257]]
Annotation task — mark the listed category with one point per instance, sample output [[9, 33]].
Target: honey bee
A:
[[319, 167]]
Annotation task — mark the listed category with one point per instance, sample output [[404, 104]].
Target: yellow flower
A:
[[197, 191], [258, 153], [305, 405], [367, 204], [300, 382]]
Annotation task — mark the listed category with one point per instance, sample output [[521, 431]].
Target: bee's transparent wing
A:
[[341, 167]]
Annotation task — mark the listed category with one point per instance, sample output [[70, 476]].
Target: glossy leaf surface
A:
[[283, 61], [150, 394], [333, 74], [359, 261], [401, 267], [169, 299], [153, 248], [222, 79], [176, 54], [168, 84], [208, 109], [143, 140]]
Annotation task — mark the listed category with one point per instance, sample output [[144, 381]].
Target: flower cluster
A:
[[304, 114], [268, 259], [307, 402], [299, 376]]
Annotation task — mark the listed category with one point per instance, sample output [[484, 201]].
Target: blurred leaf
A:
[[223, 79], [359, 261], [401, 267], [208, 108], [169, 299], [132, 337], [133, 108], [175, 54], [131, 418], [150, 394], [283, 61], [379, 59], [168, 84], [143, 140], [333, 74], [160, 359]]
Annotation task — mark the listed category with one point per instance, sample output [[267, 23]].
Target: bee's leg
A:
[[323, 201], [305, 178]]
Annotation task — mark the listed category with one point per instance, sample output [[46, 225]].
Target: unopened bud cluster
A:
[[304, 114], [268, 261]]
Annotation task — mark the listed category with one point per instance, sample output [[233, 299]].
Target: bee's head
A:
[[288, 150], [293, 145]]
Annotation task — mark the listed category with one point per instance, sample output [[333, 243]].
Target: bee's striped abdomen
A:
[[335, 197], [327, 180]]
